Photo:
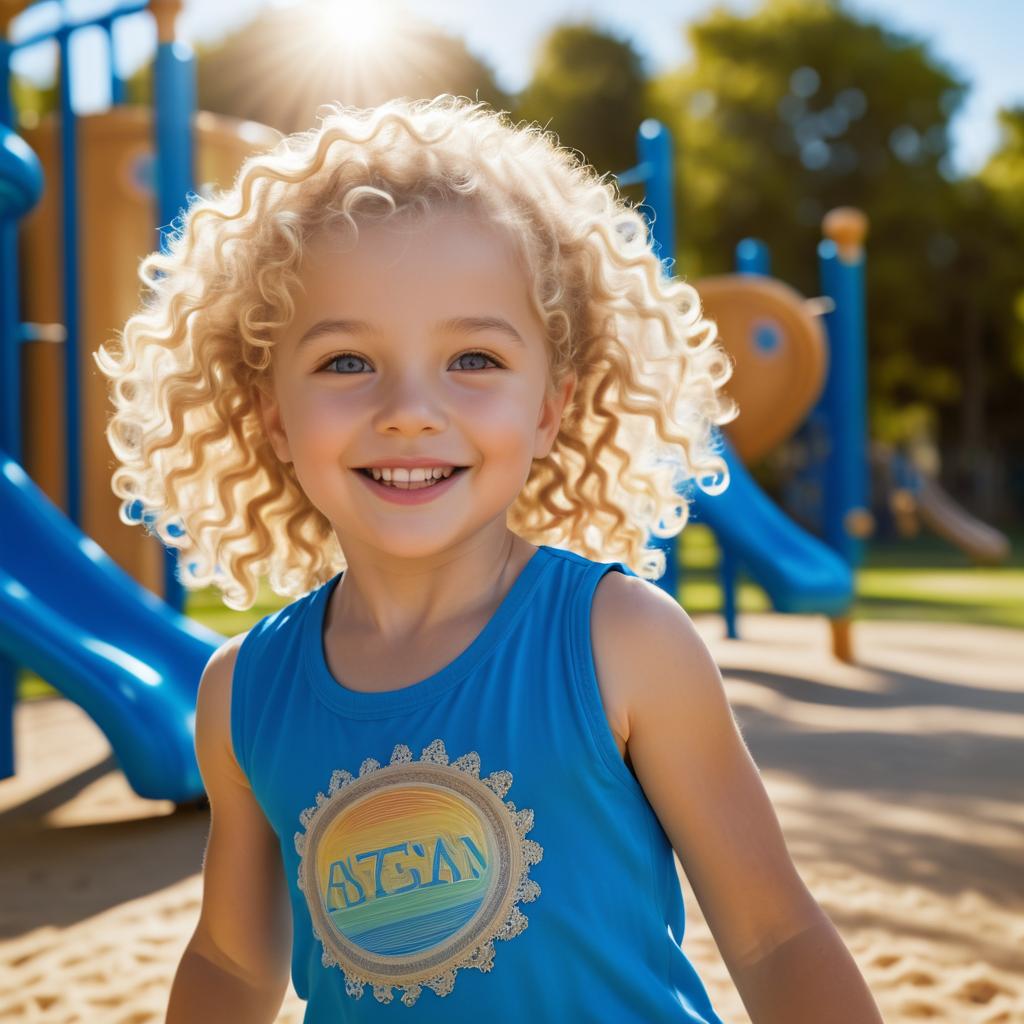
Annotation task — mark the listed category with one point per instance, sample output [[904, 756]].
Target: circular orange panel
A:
[[780, 354]]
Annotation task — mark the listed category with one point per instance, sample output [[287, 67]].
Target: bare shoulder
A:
[[213, 706], [215, 684], [621, 594], [635, 624]]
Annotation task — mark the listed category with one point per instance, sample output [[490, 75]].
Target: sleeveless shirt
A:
[[473, 845]]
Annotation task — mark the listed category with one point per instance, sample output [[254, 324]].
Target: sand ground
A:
[[899, 783]]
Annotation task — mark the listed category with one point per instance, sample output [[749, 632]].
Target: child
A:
[[420, 367]]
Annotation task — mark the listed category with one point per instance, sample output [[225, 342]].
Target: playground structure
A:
[[799, 376], [910, 494], [782, 365], [96, 629], [115, 169], [915, 499], [91, 626]]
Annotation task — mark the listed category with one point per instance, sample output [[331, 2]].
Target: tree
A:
[[800, 107], [991, 235], [589, 88]]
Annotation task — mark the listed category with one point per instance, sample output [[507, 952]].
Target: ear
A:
[[551, 415], [269, 410]]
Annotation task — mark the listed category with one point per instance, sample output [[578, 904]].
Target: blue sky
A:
[[980, 40]]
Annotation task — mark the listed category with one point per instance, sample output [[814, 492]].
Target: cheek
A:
[[502, 428], [320, 432], [321, 422]]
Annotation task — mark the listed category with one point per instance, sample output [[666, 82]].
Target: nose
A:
[[410, 404]]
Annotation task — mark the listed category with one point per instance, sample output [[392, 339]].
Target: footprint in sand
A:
[[918, 978], [886, 960], [919, 1010], [980, 990]]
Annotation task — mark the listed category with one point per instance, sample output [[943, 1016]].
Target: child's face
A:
[[407, 384]]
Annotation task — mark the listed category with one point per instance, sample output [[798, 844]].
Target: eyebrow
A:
[[456, 325]]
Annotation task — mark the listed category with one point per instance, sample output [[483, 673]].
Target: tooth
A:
[[414, 479]]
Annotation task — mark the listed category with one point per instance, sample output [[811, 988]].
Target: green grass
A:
[[206, 607], [921, 579]]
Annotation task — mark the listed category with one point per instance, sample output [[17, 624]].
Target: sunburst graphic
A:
[[412, 869]]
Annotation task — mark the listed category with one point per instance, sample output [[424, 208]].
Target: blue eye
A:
[[337, 359], [334, 360], [482, 355]]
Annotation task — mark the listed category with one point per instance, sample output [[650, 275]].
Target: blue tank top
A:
[[473, 845]]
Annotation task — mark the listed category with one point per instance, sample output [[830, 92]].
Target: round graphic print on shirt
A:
[[413, 869]]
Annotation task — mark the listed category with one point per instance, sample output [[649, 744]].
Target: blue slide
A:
[[799, 572], [70, 613]]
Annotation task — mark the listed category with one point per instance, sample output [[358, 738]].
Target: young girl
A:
[[421, 368]]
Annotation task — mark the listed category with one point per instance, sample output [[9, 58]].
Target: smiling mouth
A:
[[416, 485], [369, 473]]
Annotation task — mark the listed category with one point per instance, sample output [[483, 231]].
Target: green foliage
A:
[[1003, 175], [589, 88], [1002, 180], [801, 107], [32, 102]]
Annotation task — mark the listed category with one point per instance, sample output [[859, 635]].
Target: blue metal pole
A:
[[655, 169], [728, 576], [73, 24], [752, 257], [845, 400], [10, 406], [117, 86], [654, 148], [21, 185], [174, 88], [10, 362], [655, 160], [69, 214]]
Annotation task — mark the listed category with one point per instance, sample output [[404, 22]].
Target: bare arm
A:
[[784, 954], [236, 964], [796, 981]]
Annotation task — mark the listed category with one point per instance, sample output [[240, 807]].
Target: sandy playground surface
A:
[[898, 782]]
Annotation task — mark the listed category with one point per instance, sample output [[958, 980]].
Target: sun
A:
[[350, 30], [361, 27], [314, 52]]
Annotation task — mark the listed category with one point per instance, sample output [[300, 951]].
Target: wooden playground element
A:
[[115, 182]]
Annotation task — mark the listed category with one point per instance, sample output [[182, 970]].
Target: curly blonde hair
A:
[[187, 432]]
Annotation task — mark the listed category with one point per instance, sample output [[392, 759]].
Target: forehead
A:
[[441, 256]]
